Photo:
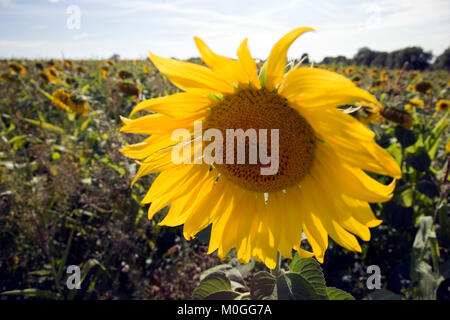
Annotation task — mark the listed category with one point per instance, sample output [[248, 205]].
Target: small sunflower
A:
[[409, 107], [124, 74], [320, 189], [127, 88], [105, 72], [357, 79], [397, 116], [417, 102], [68, 64], [69, 102], [349, 70], [17, 68], [49, 75], [423, 87], [442, 105]]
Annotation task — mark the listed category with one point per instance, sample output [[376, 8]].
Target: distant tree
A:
[[368, 57], [338, 59], [443, 61], [364, 56], [415, 56], [115, 56], [380, 59]]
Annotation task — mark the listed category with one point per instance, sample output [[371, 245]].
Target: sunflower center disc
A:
[[262, 109]]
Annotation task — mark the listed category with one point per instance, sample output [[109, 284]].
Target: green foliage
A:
[[304, 281]]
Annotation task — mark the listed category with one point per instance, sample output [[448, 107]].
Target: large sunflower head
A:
[[320, 187]]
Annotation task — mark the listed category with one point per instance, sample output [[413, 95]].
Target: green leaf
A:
[[407, 197], [312, 272], [262, 286], [292, 286], [214, 282], [428, 282], [395, 149], [338, 294], [45, 125], [223, 295], [66, 254], [383, 294], [432, 140], [35, 293], [425, 231]]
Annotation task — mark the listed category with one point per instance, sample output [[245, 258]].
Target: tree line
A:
[[416, 59]]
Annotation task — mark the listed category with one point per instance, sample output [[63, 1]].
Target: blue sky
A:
[[38, 29]]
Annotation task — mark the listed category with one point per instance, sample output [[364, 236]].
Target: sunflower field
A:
[[66, 197]]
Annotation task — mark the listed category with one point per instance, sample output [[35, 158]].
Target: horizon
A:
[[49, 29]]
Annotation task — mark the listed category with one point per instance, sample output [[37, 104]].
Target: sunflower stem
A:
[[277, 271]]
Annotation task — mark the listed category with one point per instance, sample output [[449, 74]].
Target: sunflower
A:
[[49, 75], [127, 88], [17, 68], [65, 101], [357, 79], [320, 189], [423, 87], [349, 70], [442, 105], [409, 107]]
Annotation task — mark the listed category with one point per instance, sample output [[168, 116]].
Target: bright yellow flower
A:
[[442, 105], [447, 147], [320, 189], [409, 107], [417, 102]]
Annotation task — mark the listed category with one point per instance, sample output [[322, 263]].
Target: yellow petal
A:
[[349, 180], [248, 64], [276, 63], [160, 124], [191, 77], [178, 105], [311, 224], [201, 215], [145, 148], [351, 140], [224, 67], [163, 192], [181, 209], [312, 87]]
